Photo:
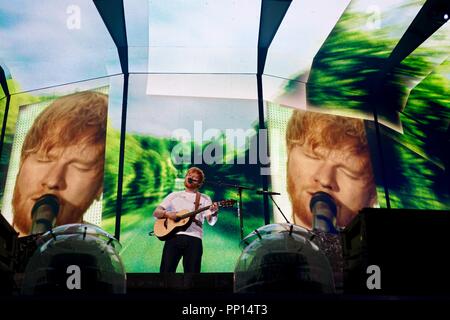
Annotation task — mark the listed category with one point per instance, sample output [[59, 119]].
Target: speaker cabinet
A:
[[410, 247]]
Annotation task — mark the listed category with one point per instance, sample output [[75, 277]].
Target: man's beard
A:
[[22, 219], [301, 215], [192, 186]]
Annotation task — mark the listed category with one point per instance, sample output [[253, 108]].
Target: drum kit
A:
[[65, 258], [285, 257]]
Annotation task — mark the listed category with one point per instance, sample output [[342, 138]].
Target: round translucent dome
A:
[[281, 258], [75, 258]]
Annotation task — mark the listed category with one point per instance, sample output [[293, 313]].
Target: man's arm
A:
[[161, 213], [211, 213], [213, 210]]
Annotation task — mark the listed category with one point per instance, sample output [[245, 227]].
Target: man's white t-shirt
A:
[[184, 200]]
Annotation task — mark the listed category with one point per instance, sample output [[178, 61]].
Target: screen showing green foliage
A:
[[192, 100], [165, 136]]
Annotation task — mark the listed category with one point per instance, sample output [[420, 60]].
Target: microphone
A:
[[190, 180], [43, 213], [324, 210]]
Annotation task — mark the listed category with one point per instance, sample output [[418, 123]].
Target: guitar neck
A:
[[193, 213]]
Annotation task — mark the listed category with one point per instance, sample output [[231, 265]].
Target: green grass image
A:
[[142, 253]]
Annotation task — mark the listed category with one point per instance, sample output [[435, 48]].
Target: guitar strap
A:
[[197, 200], [197, 204]]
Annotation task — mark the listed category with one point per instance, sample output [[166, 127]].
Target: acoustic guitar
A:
[[165, 228]]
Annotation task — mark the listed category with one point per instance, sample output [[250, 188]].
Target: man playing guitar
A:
[[186, 244]]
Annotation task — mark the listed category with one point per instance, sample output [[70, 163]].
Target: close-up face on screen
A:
[[257, 145], [59, 146], [323, 153]]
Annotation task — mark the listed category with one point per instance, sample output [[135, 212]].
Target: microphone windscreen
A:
[[43, 213], [324, 210], [324, 198], [48, 199]]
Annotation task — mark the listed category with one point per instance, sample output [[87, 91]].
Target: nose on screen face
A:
[[326, 177], [54, 177]]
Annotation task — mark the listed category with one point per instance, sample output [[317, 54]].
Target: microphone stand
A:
[[239, 189], [279, 209]]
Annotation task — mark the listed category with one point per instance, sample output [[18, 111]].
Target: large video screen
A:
[[416, 160], [57, 148], [349, 71], [167, 135], [315, 152]]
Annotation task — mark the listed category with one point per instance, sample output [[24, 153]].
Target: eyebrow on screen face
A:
[[84, 162]]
